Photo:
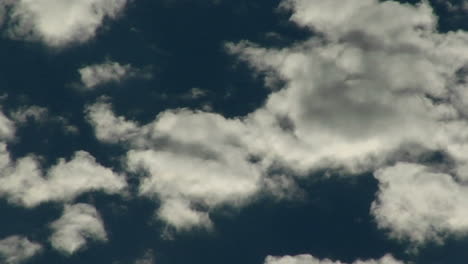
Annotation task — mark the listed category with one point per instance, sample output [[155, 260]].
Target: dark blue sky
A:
[[182, 45]]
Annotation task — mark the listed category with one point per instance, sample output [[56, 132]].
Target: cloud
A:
[[459, 7], [59, 23], [7, 127], [418, 204], [22, 182], [308, 259], [192, 159], [17, 249], [78, 223], [148, 258], [23, 114], [355, 96], [108, 72]]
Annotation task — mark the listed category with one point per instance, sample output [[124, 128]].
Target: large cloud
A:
[[56, 22], [362, 89], [309, 259], [355, 96], [78, 223], [17, 249], [192, 159]]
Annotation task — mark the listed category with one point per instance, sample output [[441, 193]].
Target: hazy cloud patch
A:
[[95, 75], [78, 224], [17, 249]]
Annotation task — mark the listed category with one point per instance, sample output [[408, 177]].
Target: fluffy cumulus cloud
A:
[[193, 160], [353, 97], [17, 249], [108, 72], [357, 94], [22, 181], [78, 224], [58, 23], [308, 259], [418, 204]]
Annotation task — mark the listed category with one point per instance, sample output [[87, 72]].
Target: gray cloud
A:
[[95, 75], [79, 223], [17, 249]]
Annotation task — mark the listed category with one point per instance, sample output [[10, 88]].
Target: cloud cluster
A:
[[355, 96], [309, 259], [16, 249], [192, 159], [22, 181], [58, 23], [95, 75], [78, 223]]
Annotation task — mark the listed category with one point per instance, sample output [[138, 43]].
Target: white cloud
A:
[[309, 259], [107, 72], [355, 95], [78, 224], [192, 158], [22, 181], [17, 249], [418, 204], [58, 23], [7, 127]]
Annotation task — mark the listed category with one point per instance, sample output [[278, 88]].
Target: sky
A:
[[233, 131]]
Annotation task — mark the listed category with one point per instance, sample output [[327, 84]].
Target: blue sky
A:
[[222, 131]]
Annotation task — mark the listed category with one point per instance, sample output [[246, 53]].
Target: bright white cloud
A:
[[193, 159], [107, 72], [78, 224], [355, 96], [418, 204], [22, 182], [58, 23], [309, 259], [17, 249]]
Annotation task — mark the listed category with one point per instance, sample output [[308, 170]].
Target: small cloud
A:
[[147, 258], [79, 223], [57, 23], [23, 114], [195, 93], [16, 249], [95, 75]]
